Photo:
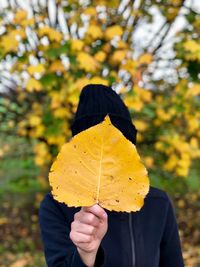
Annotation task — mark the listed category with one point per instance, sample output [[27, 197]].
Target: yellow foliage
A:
[[122, 90], [145, 59], [108, 4], [21, 129], [34, 120], [106, 48], [193, 48], [163, 115], [38, 131], [95, 31], [42, 154], [140, 125], [171, 162], [80, 83], [118, 56], [194, 90], [33, 85], [56, 140], [61, 112], [20, 16], [90, 11], [149, 161], [87, 62], [182, 171], [134, 102], [98, 80], [144, 94], [130, 65], [77, 45], [53, 34], [57, 66], [22, 19], [122, 45], [39, 68], [9, 43], [159, 145], [113, 31], [99, 165], [193, 124], [100, 56]]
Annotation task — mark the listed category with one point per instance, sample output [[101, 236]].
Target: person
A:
[[93, 236]]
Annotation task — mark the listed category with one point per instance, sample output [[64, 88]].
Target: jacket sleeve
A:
[[58, 248], [170, 248]]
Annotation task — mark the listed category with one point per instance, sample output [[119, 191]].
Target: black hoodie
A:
[[148, 238]]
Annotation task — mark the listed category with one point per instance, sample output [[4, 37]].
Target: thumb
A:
[[97, 211]]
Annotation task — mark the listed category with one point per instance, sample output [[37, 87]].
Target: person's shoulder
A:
[[52, 206], [49, 201], [157, 193], [157, 200]]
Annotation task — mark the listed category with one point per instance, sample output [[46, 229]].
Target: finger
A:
[[80, 237], [89, 218], [97, 211], [83, 228]]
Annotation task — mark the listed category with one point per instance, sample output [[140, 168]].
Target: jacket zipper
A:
[[132, 240]]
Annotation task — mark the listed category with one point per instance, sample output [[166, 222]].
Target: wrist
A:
[[88, 257]]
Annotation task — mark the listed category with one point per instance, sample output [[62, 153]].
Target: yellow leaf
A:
[[193, 48], [194, 90], [33, 85], [42, 154], [20, 263], [149, 161], [99, 165], [57, 66], [118, 56], [22, 19], [145, 59], [20, 16], [140, 125], [53, 34], [171, 163], [9, 43], [98, 80], [100, 56], [122, 45], [34, 120], [77, 45], [90, 11], [113, 31], [87, 62], [61, 112], [39, 68], [95, 31], [130, 65]]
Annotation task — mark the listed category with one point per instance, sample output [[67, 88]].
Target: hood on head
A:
[[95, 102]]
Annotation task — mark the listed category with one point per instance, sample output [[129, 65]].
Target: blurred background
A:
[[147, 50]]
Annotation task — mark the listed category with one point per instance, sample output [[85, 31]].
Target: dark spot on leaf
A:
[[111, 177], [130, 178], [74, 146], [117, 200]]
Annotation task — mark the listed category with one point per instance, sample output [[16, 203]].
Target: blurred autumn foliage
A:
[[49, 50]]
